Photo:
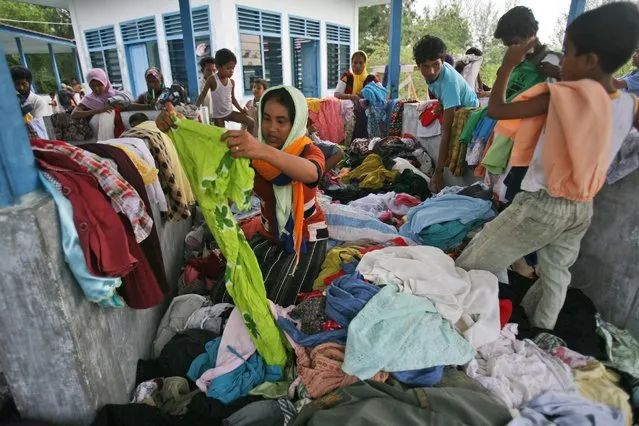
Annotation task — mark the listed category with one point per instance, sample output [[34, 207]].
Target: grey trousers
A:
[[535, 221]]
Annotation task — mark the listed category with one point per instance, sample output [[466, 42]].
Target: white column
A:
[[78, 34], [163, 50], [287, 68], [323, 52]]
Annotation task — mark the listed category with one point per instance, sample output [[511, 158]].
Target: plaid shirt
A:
[[124, 198]]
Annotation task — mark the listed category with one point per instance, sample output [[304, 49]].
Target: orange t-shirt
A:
[[315, 227]]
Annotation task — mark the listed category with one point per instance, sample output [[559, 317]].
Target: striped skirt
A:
[[276, 264]]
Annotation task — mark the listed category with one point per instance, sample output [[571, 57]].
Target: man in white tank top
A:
[[553, 211], [222, 89]]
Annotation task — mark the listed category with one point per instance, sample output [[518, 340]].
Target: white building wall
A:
[[91, 14]]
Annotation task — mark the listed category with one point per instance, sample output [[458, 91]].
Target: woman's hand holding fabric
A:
[[242, 144], [164, 121]]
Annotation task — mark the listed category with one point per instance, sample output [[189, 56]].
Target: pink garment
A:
[[571, 358], [93, 101], [236, 336], [329, 120]]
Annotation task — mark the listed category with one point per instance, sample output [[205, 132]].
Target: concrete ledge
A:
[[63, 356]]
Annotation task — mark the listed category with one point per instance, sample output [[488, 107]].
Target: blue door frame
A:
[[310, 69]]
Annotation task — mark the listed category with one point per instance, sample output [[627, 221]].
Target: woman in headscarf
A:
[[155, 89], [95, 106], [291, 241], [350, 87]]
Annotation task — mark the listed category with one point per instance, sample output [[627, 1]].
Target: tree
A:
[[40, 64]]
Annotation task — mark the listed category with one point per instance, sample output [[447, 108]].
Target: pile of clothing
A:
[[392, 332]]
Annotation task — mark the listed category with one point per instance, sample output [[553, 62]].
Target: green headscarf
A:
[[284, 194]]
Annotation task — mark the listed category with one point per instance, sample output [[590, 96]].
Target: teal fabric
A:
[[448, 234], [452, 90], [101, 290], [234, 384], [398, 332]]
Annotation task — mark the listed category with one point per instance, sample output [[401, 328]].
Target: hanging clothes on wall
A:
[[396, 118], [216, 177], [107, 239], [101, 290], [176, 188], [151, 246], [138, 147]]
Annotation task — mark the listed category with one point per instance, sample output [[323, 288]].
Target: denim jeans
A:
[[535, 221]]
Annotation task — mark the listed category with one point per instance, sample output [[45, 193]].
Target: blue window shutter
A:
[[93, 39], [271, 23], [312, 28], [201, 23], [142, 29], [248, 20], [172, 25], [107, 36], [345, 35]]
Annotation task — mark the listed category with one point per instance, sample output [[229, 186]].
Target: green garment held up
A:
[[217, 177]]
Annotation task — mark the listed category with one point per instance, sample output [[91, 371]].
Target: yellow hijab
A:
[[359, 79]]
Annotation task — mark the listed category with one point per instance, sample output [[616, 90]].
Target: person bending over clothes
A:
[[288, 168], [259, 87], [22, 79], [222, 88], [630, 81], [468, 66], [349, 87], [566, 168], [95, 106], [449, 87], [333, 153], [540, 64]]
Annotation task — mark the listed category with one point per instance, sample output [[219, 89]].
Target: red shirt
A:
[[315, 227]]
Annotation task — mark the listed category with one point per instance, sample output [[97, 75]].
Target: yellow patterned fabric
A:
[[149, 173]]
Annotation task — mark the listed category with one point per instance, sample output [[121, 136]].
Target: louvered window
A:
[[338, 51], [103, 53], [202, 37], [301, 27], [138, 31], [261, 46]]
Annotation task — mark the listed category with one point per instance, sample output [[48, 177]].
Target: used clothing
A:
[[124, 198], [151, 245], [346, 297], [175, 193], [599, 384], [101, 290], [516, 371], [632, 81], [371, 173], [538, 222], [464, 210], [175, 318], [563, 409], [217, 178], [469, 300], [622, 349], [456, 159], [212, 318], [378, 404], [321, 372], [230, 368], [426, 339], [328, 120]]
